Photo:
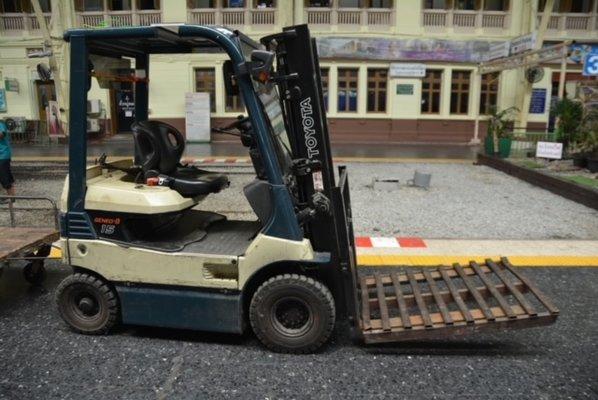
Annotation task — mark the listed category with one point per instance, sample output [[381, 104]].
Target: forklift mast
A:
[[299, 80]]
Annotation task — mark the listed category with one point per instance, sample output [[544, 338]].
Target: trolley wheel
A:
[[292, 313], [87, 304], [34, 272]]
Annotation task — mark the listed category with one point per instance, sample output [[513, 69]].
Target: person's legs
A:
[[7, 180]]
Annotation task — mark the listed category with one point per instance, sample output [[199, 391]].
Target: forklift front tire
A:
[[87, 304], [292, 313]]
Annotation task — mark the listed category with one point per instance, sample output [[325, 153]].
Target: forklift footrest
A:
[[449, 301]]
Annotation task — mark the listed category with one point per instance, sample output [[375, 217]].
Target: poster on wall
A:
[[53, 119], [3, 100], [537, 104], [197, 117]]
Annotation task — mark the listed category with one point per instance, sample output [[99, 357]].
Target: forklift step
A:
[[448, 302]]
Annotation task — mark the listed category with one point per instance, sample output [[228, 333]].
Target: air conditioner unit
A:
[[94, 106], [93, 125], [16, 124]]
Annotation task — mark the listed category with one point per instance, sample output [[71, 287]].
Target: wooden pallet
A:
[[15, 241], [449, 301]]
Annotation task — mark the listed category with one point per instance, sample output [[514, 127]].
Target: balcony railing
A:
[[17, 24], [233, 17], [94, 19], [574, 22], [326, 17], [465, 19]]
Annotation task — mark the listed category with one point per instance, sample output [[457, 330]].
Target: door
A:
[[123, 107], [46, 92]]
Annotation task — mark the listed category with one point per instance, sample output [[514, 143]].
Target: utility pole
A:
[[525, 98], [56, 21]]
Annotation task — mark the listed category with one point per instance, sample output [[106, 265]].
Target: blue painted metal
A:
[[283, 222], [181, 308]]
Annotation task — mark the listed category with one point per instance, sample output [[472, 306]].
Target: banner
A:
[[404, 49]]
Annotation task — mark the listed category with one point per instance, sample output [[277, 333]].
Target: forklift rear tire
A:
[[292, 313], [87, 304]]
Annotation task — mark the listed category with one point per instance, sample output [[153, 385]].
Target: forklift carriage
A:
[[143, 254]]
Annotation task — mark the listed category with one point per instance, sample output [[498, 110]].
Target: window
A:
[[379, 3], [324, 73], [205, 81], [436, 4], [234, 103], [202, 4], [460, 92], [148, 4], [431, 88], [347, 89], [489, 92], [89, 5], [234, 3], [466, 5], [264, 3], [496, 5], [377, 79], [318, 3], [45, 6], [348, 3], [569, 6], [15, 6], [119, 5]]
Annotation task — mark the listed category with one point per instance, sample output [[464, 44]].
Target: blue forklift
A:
[[142, 253]]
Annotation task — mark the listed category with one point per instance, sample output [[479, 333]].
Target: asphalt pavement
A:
[[42, 359]]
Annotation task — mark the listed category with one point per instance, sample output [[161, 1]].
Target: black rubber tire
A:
[[34, 272], [80, 291], [309, 305]]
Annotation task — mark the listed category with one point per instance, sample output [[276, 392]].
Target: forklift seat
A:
[[159, 147]]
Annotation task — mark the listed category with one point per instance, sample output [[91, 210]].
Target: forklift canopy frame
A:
[[139, 43]]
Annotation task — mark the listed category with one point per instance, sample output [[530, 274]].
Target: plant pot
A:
[[489, 145], [580, 160], [593, 164], [504, 147]]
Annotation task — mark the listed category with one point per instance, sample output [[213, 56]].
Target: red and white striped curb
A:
[[389, 242]]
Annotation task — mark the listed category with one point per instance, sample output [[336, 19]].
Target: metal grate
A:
[[450, 301]]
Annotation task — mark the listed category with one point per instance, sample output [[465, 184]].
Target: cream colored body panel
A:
[[112, 191], [117, 262]]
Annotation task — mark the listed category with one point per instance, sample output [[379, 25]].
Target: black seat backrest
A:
[[159, 146]]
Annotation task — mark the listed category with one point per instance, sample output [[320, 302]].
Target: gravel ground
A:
[[42, 359], [464, 201]]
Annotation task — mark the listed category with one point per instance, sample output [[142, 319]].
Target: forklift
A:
[[143, 254]]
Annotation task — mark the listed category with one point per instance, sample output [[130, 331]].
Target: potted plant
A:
[[499, 135]]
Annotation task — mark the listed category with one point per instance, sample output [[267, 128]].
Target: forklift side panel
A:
[[181, 308]]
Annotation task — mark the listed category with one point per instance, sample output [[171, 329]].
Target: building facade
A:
[[363, 46]]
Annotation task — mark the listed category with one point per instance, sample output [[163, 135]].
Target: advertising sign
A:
[[523, 43], [590, 64], [498, 50], [404, 89], [549, 150], [2, 100], [11, 85], [537, 104], [197, 117], [405, 70]]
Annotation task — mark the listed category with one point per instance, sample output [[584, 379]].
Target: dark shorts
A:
[[6, 178]]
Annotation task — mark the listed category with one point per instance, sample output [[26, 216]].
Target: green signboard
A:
[[11, 85], [405, 89]]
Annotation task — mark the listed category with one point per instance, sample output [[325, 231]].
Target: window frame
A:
[[376, 80], [461, 92], [486, 92], [429, 93], [212, 92], [346, 88]]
